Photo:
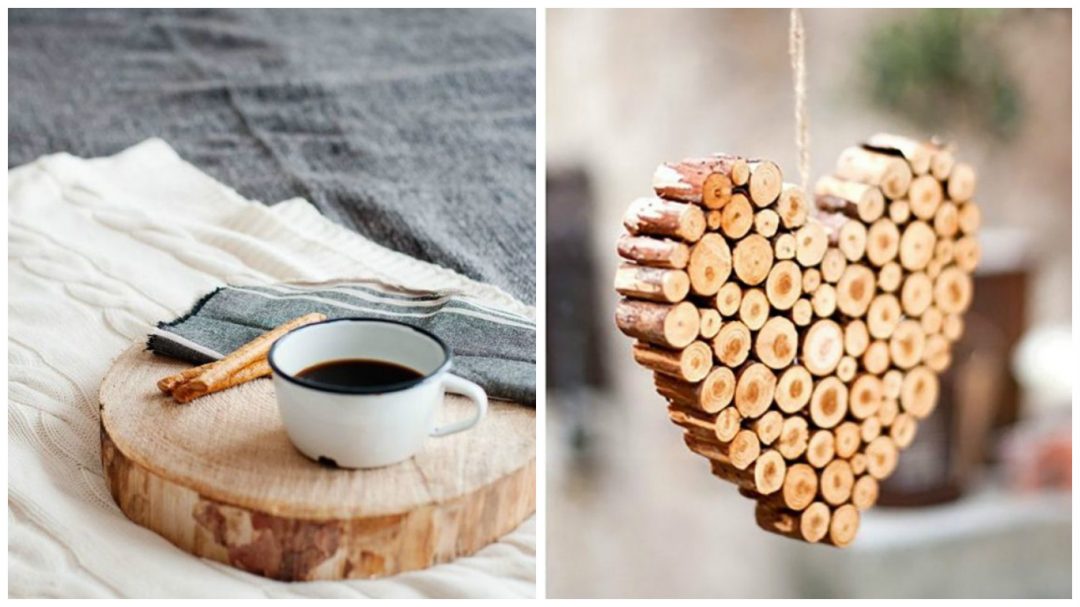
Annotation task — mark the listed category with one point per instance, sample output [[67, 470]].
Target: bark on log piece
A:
[[919, 392], [924, 196], [710, 395], [794, 438], [865, 492], [732, 344], [737, 217], [793, 206], [691, 364], [811, 525], [776, 343], [891, 174], [854, 199], [917, 246], [753, 258], [793, 389], [655, 284], [754, 390], [837, 479], [917, 153], [882, 242], [766, 182], [709, 265], [768, 427], [659, 217], [822, 347], [740, 452], [765, 477], [961, 184], [843, 526], [847, 438], [655, 252], [754, 309], [828, 403], [728, 299], [821, 449], [669, 326], [704, 181]]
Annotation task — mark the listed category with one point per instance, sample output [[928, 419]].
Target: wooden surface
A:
[[219, 478]]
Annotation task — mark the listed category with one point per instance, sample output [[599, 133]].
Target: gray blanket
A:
[[416, 128]]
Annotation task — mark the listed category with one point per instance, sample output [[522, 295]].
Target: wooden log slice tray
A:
[[219, 478]]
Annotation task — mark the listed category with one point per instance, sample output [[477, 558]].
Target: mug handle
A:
[[466, 388]]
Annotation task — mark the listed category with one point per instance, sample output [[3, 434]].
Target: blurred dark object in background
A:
[[979, 393], [575, 359]]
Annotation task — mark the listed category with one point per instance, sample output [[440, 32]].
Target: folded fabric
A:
[[493, 348]]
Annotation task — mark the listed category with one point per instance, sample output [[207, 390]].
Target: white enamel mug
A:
[[366, 427]]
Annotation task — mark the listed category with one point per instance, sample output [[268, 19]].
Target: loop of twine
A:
[[797, 48]]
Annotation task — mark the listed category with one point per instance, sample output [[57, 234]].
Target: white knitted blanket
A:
[[99, 251]]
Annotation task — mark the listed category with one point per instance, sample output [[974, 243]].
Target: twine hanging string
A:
[[797, 48]]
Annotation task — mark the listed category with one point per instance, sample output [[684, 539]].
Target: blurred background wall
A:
[[632, 512]]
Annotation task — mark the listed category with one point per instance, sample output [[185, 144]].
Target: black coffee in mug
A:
[[359, 373]]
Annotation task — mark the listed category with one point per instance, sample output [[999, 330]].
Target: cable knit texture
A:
[[99, 251]]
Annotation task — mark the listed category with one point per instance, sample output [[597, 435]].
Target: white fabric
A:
[[100, 250]]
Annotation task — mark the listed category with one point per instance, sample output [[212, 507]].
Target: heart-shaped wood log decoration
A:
[[799, 347]]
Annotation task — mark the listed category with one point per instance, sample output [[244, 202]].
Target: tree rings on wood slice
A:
[[754, 390], [744, 449], [697, 180], [866, 396], [737, 217], [883, 316], [656, 284], [917, 294], [769, 472], [852, 240], [917, 246], [710, 395], [899, 211], [970, 218], [810, 525], [870, 428], [836, 482], [784, 246], [732, 344], [919, 392], [793, 207], [754, 309], [828, 404], [728, 423], [936, 354], [848, 436], [794, 437], [882, 457], [924, 196], [784, 285], [669, 326], [811, 242], [902, 431], [776, 342], [768, 427], [710, 322], [793, 389], [906, 344], [824, 301], [876, 357], [709, 265], [846, 368], [856, 337], [941, 164], [728, 299], [843, 526], [659, 217], [821, 449], [947, 220], [766, 182], [865, 492], [800, 487], [657, 252], [753, 258], [858, 463], [889, 277], [855, 290], [811, 280], [890, 408], [822, 347], [961, 184], [952, 290], [766, 222], [882, 242], [802, 312], [833, 265]]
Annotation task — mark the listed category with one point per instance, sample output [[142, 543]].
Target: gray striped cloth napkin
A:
[[491, 347]]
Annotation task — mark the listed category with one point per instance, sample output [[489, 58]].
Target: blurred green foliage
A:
[[941, 65]]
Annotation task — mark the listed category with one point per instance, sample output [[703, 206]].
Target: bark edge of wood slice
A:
[[295, 519]]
